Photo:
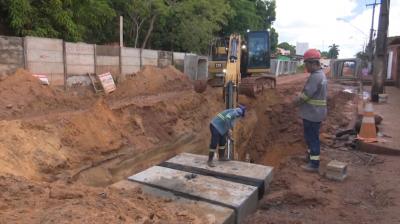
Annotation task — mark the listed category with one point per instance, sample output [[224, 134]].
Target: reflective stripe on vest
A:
[[321, 103], [221, 116], [314, 157], [311, 101]]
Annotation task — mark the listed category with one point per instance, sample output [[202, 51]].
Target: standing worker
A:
[[313, 110], [221, 126]]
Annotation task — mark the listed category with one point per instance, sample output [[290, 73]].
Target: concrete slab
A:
[[390, 126], [240, 197], [213, 214], [336, 170], [236, 171]]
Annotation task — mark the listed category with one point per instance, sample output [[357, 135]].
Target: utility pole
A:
[[370, 44], [380, 61]]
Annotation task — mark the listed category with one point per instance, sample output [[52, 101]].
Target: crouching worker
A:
[[220, 127]]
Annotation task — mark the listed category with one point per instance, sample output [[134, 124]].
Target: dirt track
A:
[[59, 152]]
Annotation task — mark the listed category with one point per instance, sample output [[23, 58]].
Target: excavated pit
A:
[[75, 144]]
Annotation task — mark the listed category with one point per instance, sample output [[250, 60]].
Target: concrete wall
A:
[[80, 61], [149, 57], [130, 58], [165, 58], [45, 56], [11, 54], [63, 61], [280, 67], [179, 60], [107, 59]]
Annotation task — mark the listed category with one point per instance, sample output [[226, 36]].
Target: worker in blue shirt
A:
[[220, 127]]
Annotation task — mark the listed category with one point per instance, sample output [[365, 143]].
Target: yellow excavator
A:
[[252, 63], [246, 70]]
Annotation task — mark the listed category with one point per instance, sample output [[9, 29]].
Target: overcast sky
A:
[[316, 22]]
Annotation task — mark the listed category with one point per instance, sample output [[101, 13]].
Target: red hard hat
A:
[[312, 54]]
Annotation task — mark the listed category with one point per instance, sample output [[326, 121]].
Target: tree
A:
[[71, 19], [325, 54], [191, 25], [181, 25], [333, 51], [273, 37], [287, 46]]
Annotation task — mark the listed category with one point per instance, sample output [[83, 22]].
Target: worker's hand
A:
[[296, 101]]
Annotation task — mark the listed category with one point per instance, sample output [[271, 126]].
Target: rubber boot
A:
[[221, 154], [210, 161]]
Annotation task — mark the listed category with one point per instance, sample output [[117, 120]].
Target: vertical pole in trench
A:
[[121, 43]]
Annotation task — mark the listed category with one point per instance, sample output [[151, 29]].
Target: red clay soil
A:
[[59, 152], [22, 95], [24, 201], [51, 141]]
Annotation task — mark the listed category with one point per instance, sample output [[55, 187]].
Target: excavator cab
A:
[[256, 57], [255, 64]]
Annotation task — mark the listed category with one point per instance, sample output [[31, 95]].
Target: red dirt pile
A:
[[152, 80], [21, 94], [24, 201]]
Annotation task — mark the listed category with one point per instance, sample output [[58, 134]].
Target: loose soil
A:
[[60, 150]]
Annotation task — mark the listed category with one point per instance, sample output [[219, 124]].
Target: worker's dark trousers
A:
[[311, 135], [216, 138]]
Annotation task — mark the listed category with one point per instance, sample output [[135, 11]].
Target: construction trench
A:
[[78, 157]]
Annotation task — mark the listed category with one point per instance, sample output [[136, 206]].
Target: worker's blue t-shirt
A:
[[225, 120]]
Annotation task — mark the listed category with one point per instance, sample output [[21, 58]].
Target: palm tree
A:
[[333, 51]]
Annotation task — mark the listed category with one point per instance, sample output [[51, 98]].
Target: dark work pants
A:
[[216, 139], [311, 135]]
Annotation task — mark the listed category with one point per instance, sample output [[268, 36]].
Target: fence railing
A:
[[280, 67]]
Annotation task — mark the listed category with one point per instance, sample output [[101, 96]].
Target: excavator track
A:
[[254, 85]]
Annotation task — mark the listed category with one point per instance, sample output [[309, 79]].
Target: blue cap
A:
[[242, 109]]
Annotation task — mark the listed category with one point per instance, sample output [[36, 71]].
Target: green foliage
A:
[[287, 46], [325, 54], [273, 37], [250, 15], [181, 25], [362, 55], [190, 25], [195, 22], [333, 51], [73, 20]]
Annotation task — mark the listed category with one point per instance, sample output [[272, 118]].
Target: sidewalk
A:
[[390, 126]]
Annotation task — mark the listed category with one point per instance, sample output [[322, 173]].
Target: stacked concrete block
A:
[[212, 213], [231, 188], [240, 197], [251, 174], [45, 56], [11, 54]]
